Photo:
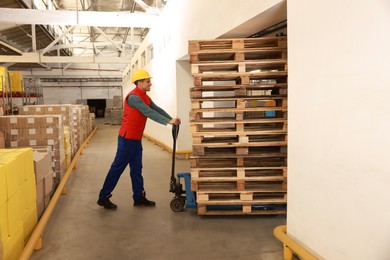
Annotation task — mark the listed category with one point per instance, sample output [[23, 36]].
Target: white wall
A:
[[180, 21], [70, 95], [339, 125]]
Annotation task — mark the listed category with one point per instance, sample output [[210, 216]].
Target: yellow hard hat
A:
[[140, 74]]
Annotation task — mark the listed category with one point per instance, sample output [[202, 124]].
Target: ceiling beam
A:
[[109, 39], [10, 47], [69, 29], [70, 73], [148, 9], [90, 45], [80, 18], [37, 58]]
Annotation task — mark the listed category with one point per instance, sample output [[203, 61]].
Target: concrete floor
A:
[[80, 229]]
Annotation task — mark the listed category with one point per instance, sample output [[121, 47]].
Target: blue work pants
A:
[[129, 152]]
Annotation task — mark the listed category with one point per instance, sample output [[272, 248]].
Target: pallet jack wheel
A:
[[177, 204]]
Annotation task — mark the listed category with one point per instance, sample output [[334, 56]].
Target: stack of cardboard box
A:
[[18, 212], [37, 130], [43, 176], [117, 102], [79, 124], [67, 146], [75, 117], [92, 120], [64, 110]]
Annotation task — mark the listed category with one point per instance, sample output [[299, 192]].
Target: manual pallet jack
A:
[[180, 200]]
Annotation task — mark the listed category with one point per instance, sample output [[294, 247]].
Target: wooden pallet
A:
[[239, 161], [236, 44], [239, 66], [215, 127], [224, 197], [241, 210], [280, 172], [240, 149], [237, 114], [196, 113], [242, 203], [236, 90], [241, 78], [240, 102], [242, 134], [256, 157], [241, 144], [238, 122], [264, 184], [232, 121]]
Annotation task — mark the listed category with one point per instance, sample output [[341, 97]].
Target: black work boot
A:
[[144, 202], [106, 203]]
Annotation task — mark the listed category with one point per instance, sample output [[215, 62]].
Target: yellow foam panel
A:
[[25, 156], [14, 207], [3, 185], [13, 171], [13, 246], [29, 220], [3, 222]]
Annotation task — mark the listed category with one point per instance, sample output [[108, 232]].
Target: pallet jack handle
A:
[[175, 133]]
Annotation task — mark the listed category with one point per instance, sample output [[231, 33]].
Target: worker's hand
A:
[[175, 121]]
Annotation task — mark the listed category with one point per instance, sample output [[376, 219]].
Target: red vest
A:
[[133, 121]]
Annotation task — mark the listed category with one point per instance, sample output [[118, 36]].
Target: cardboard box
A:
[[42, 164], [2, 140], [40, 198], [48, 184], [47, 200]]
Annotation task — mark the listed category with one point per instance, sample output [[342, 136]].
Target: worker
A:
[[138, 106]]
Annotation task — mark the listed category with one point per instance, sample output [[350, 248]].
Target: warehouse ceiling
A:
[[70, 32]]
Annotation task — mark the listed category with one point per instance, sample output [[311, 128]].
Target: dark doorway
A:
[[97, 106]]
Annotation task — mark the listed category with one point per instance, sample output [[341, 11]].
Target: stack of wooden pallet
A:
[[238, 122]]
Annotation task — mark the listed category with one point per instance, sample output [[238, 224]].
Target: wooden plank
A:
[[239, 87], [241, 169], [237, 43], [268, 186], [240, 99], [215, 212], [269, 53], [228, 120], [265, 49], [241, 78], [239, 147], [228, 195], [220, 158], [227, 132], [233, 141], [231, 179], [236, 110], [236, 75], [238, 66]]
